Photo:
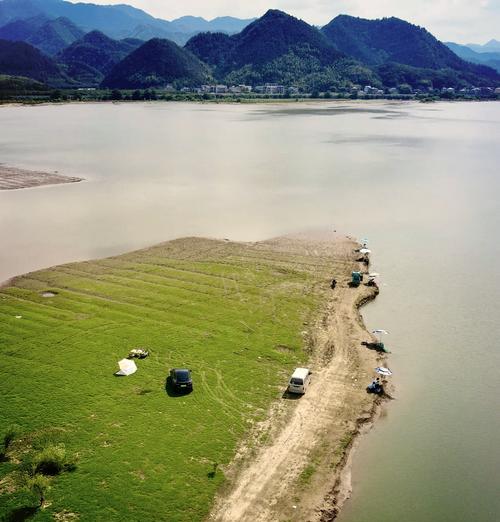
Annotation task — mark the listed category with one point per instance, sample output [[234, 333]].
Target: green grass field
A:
[[233, 313]]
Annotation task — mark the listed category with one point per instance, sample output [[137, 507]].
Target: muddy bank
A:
[[296, 465], [12, 178]]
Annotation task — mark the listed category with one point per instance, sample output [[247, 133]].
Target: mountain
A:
[[196, 24], [491, 59], [493, 46], [116, 21], [54, 35], [50, 36], [394, 41], [21, 30], [388, 40], [22, 59], [156, 64], [275, 48], [89, 59]]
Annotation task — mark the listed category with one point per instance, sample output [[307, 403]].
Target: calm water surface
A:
[[421, 181]]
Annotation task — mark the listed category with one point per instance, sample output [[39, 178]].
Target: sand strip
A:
[[12, 178], [302, 471]]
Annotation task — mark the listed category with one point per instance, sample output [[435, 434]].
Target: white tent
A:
[[127, 367]]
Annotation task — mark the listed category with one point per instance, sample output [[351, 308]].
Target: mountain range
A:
[[493, 46], [83, 46], [49, 36], [486, 57], [116, 21]]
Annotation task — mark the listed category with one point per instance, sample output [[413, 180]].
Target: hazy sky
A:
[[461, 21]]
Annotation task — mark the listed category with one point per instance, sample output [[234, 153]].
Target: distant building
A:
[[238, 89], [372, 91], [497, 91], [213, 89], [272, 88]]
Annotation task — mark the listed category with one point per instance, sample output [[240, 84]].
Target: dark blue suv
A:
[[181, 379]]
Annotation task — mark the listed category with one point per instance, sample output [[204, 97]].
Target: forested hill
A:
[[89, 59], [271, 36], [156, 64], [275, 48], [391, 40], [22, 59]]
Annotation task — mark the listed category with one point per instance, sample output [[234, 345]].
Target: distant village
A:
[[357, 91]]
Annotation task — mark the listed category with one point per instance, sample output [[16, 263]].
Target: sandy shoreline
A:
[[303, 470], [12, 178]]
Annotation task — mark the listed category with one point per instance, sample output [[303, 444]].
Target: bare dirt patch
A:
[[12, 178]]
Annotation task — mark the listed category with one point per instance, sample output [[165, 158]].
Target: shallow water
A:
[[421, 181]]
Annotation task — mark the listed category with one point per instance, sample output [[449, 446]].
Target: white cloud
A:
[[457, 20]]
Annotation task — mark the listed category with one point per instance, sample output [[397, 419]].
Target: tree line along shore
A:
[[28, 92]]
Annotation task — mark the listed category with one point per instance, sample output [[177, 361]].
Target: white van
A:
[[299, 381]]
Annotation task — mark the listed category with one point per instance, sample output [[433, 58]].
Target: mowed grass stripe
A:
[[119, 279], [119, 289], [188, 278], [142, 454]]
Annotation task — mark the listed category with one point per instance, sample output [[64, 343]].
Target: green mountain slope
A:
[[89, 59], [391, 40], [22, 59], [155, 64], [14, 86], [278, 48], [268, 38]]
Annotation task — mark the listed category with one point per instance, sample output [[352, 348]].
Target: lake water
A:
[[421, 181]]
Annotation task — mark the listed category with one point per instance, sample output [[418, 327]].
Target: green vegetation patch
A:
[[139, 452]]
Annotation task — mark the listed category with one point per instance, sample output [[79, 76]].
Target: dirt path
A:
[[295, 476]]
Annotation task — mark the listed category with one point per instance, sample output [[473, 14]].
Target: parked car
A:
[[299, 381], [181, 379]]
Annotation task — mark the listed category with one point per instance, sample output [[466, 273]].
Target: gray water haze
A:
[[421, 181]]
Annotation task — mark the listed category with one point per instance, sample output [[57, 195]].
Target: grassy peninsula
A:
[[236, 314]]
